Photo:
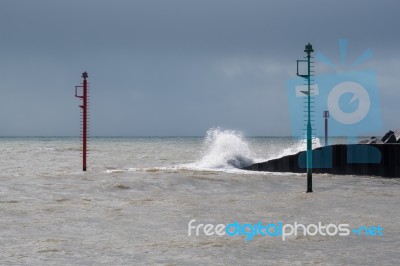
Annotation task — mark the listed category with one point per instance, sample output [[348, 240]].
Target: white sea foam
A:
[[300, 145], [229, 151], [222, 150], [225, 149]]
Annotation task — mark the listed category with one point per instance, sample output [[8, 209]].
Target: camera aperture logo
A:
[[279, 229], [349, 93], [351, 97]]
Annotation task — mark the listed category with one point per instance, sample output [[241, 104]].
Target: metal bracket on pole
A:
[[76, 92]]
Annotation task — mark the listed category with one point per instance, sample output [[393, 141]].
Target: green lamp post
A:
[[308, 49]]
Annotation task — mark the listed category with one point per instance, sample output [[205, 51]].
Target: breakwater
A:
[[352, 159]]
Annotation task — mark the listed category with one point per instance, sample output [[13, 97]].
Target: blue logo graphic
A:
[[279, 229], [368, 230], [351, 97]]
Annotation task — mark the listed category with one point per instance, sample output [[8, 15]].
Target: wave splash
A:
[[225, 149], [298, 146], [228, 151]]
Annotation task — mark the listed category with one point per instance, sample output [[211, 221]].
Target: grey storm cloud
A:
[[177, 67]]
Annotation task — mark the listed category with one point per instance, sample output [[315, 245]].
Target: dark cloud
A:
[[176, 67]]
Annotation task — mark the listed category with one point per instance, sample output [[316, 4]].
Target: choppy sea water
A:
[[133, 205]]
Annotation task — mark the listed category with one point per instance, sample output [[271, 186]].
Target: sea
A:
[[134, 203]]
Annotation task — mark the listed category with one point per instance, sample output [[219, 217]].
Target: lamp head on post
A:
[[308, 49], [85, 75]]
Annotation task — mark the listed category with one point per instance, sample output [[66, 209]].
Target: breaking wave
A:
[[298, 146], [228, 151], [224, 149]]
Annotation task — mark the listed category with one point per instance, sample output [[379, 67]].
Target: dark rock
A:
[[374, 140], [391, 136], [387, 135], [391, 139]]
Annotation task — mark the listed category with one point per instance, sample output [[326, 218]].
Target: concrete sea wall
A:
[[354, 159]]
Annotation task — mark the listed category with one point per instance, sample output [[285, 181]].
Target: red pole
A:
[[84, 107], [84, 129]]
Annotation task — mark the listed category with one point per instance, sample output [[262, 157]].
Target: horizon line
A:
[[171, 136]]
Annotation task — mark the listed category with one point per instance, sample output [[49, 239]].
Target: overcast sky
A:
[[179, 67]]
